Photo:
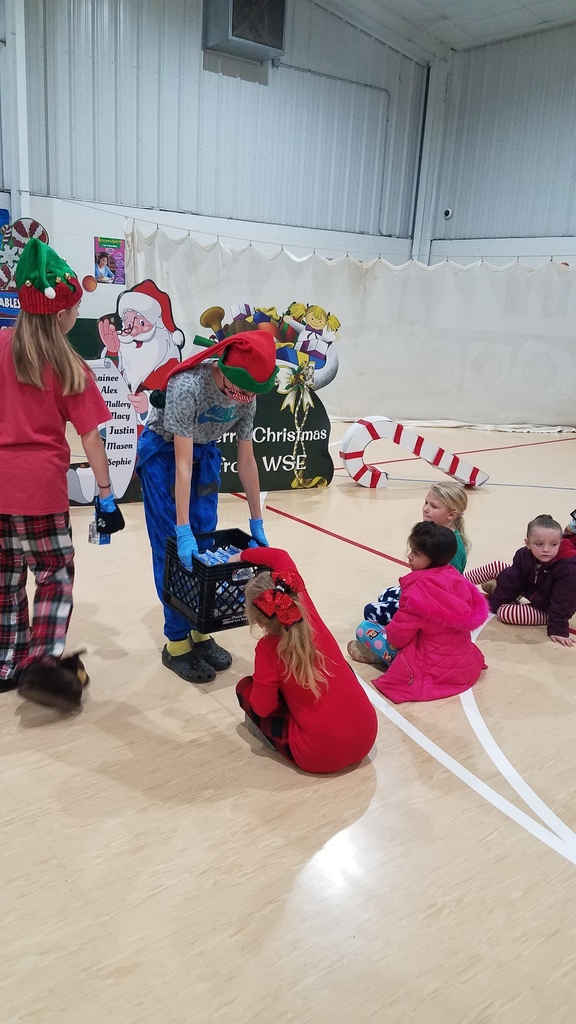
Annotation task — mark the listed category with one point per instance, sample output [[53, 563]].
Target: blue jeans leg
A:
[[157, 476]]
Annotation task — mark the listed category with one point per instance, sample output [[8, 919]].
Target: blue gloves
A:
[[109, 518], [187, 545], [108, 504], [257, 531]]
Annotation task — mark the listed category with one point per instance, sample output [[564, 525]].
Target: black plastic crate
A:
[[208, 596]]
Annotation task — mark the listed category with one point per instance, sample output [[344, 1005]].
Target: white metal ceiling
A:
[[458, 24]]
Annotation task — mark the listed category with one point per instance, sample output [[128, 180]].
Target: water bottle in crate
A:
[[211, 597]]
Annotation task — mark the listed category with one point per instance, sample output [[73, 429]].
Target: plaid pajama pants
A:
[[43, 544], [275, 726]]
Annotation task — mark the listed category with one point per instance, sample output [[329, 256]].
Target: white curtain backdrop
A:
[[477, 344]]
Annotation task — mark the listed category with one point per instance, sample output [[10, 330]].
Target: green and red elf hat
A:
[[247, 360], [45, 282]]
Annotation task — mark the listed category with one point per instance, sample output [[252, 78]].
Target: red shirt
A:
[[327, 733], [34, 452], [567, 547]]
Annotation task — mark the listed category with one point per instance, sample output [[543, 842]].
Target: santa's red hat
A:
[[247, 359], [147, 299]]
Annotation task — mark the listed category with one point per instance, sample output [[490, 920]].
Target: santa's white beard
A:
[[135, 364]]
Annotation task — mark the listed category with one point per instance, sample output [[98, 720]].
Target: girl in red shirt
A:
[[303, 696], [44, 384]]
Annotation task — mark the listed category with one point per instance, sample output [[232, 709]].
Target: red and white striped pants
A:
[[43, 544], [514, 614]]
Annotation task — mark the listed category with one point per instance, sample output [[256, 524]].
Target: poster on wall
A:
[[109, 261]]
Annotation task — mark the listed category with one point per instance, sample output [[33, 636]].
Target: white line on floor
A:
[[566, 850]]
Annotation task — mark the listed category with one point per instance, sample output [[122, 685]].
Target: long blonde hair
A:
[[453, 494], [296, 648], [37, 341]]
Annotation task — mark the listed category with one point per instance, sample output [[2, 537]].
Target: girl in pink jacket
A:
[[427, 644]]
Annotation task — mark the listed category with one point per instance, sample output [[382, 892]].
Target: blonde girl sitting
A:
[[302, 697]]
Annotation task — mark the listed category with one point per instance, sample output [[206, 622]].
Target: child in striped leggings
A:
[[543, 572]]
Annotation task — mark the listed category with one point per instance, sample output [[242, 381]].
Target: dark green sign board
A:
[[85, 339], [288, 455]]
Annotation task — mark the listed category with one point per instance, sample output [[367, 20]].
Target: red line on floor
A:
[[328, 533], [337, 536]]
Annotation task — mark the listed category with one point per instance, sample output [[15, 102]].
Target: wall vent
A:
[[253, 29]]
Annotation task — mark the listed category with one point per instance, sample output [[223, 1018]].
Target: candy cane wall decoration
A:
[[13, 238], [372, 428]]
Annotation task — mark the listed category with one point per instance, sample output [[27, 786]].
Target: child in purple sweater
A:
[[544, 573]]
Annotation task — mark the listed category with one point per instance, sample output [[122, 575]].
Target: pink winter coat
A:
[[431, 629]]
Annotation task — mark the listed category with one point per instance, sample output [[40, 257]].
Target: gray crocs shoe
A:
[[190, 666], [213, 654]]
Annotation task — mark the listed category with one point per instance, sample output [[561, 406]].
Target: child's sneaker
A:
[[358, 652], [489, 587]]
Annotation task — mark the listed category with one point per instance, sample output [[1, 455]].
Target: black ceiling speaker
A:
[[253, 29]]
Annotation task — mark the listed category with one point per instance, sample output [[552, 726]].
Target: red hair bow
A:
[[280, 601]]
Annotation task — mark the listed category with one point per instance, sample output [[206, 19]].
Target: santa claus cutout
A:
[[143, 338]]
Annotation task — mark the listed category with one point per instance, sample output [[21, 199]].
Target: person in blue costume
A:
[[212, 392]]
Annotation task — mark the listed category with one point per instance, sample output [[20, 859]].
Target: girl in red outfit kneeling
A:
[[303, 696], [428, 641]]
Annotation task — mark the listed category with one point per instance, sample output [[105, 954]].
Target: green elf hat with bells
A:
[[45, 283], [247, 360]]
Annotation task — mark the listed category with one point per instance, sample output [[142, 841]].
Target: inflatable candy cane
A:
[[12, 241], [372, 428]]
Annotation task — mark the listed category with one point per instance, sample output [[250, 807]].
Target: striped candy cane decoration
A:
[[352, 448], [372, 428], [14, 238]]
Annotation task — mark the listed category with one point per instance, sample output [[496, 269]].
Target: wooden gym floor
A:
[[160, 867]]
